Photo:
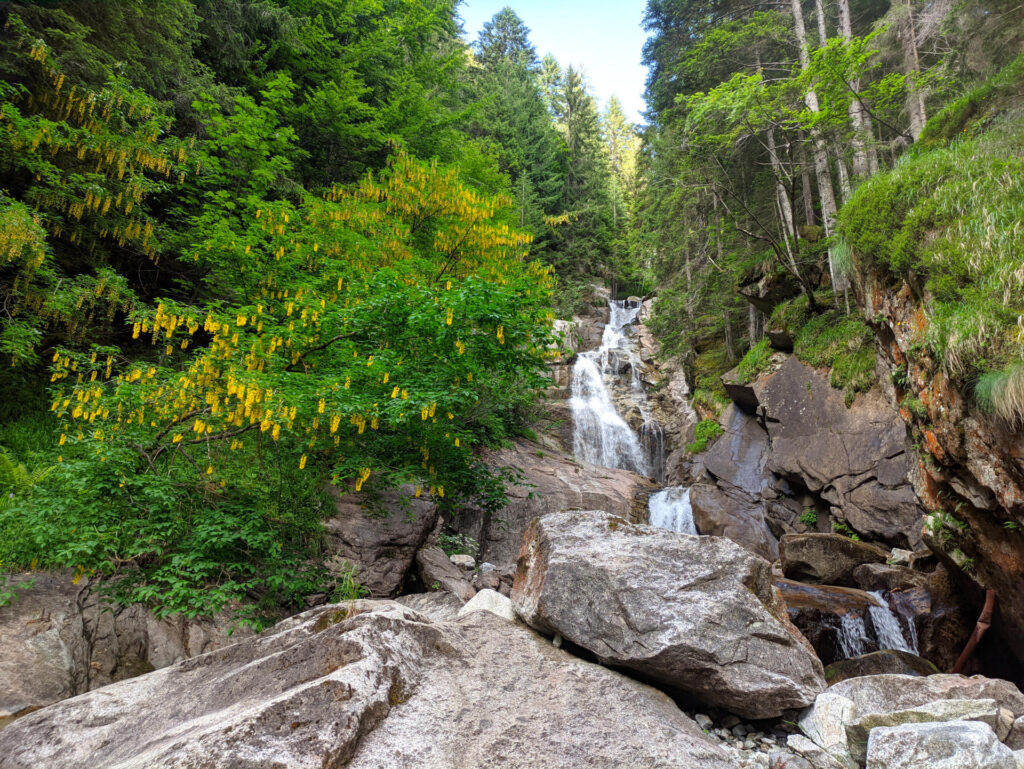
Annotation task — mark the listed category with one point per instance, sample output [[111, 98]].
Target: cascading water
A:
[[670, 509], [600, 435], [887, 627], [854, 638]]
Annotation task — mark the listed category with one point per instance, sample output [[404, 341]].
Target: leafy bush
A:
[[705, 432], [754, 362], [809, 517]]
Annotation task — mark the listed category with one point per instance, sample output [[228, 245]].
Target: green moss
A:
[[705, 432], [842, 343], [947, 218], [754, 362]]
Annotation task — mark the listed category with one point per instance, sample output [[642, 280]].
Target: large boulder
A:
[[59, 639], [367, 685], [721, 512], [952, 745], [874, 700], [549, 482], [695, 613], [826, 559], [437, 572], [379, 536], [854, 458], [877, 663]]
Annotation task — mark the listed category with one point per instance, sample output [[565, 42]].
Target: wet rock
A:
[[438, 573], [953, 745], [360, 685], [695, 613], [883, 576], [552, 482], [984, 711], [820, 613], [826, 559], [877, 663], [378, 536]]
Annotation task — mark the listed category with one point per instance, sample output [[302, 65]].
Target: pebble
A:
[[739, 731], [730, 721], [704, 722]]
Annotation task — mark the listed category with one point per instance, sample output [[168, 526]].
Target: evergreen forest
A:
[[252, 251]]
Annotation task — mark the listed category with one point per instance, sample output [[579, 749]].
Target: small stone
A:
[[900, 557], [704, 722], [723, 733], [487, 567], [466, 562], [749, 744], [730, 721], [739, 731]]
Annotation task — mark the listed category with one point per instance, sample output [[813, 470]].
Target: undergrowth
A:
[[754, 362], [705, 432]]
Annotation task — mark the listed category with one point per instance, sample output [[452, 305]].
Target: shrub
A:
[[705, 432], [754, 362], [1002, 393]]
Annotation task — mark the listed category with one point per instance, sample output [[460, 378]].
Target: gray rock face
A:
[[826, 559], [791, 443], [696, 613], [886, 693], [953, 745], [439, 573], [985, 711], [553, 483], [877, 663], [854, 458], [379, 537], [58, 640], [368, 685], [721, 512]]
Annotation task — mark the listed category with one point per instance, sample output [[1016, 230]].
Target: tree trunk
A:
[[911, 68], [821, 160], [805, 180], [865, 157]]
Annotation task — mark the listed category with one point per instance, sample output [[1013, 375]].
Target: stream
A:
[[607, 379]]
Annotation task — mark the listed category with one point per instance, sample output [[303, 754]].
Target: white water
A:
[[853, 634], [887, 627], [600, 435], [670, 509]]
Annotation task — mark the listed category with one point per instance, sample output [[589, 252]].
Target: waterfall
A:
[[852, 635], [887, 627], [600, 435], [670, 509]]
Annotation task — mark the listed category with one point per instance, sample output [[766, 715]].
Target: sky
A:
[[602, 36]]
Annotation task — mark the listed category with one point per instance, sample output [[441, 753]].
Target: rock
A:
[[492, 601], [440, 606], [876, 663], [886, 693], [553, 482], [1015, 739], [820, 612], [985, 711], [466, 562], [818, 757], [489, 580], [704, 722], [368, 685], [952, 745], [900, 557], [486, 568], [438, 573], [717, 513], [856, 458], [825, 724], [57, 639], [882, 576], [379, 537], [826, 559], [696, 613], [779, 759]]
